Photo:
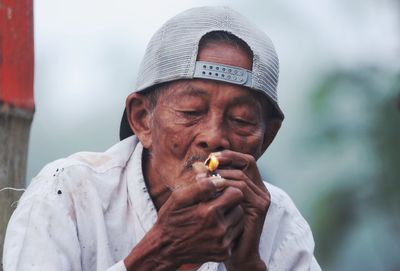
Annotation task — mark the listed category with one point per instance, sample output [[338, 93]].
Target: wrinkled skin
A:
[[198, 220]]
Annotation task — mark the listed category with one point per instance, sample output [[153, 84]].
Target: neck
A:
[[159, 192]]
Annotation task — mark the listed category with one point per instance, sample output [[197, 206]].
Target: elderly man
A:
[[207, 85]]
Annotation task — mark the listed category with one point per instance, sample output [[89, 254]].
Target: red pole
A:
[[16, 101], [16, 58]]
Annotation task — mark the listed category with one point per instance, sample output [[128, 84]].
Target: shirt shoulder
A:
[[281, 201], [284, 215], [66, 203], [82, 173], [116, 156], [287, 241]]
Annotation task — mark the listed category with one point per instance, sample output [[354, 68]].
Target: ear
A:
[[139, 118], [271, 129]]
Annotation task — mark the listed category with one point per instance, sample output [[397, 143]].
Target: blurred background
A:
[[338, 152]]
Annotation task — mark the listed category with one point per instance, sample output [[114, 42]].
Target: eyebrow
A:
[[193, 91], [247, 99]]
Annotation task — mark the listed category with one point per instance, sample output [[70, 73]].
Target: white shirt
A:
[[88, 211]]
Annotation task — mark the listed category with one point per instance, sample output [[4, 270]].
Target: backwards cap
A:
[[172, 55]]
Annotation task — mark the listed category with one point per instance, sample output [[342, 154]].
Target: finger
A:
[[248, 194], [218, 181], [238, 180], [233, 174], [235, 223], [234, 216], [201, 191], [252, 199], [228, 199], [239, 175], [235, 160], [199, 167]]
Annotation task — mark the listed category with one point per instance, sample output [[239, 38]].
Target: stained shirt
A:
[[87, 212]]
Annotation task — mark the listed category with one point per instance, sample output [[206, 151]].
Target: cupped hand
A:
[[240, 171], [198, 224]]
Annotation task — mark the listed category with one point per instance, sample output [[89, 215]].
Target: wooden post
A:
[[16, 101]]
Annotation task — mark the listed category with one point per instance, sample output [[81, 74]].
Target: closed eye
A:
[[241, 121], [191, 113]]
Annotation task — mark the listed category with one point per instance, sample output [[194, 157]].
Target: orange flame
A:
[[212, 163]]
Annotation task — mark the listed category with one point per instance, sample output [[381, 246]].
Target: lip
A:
[[193, 159]]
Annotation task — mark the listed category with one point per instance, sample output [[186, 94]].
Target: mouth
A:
[[193, 159], [201, 164]]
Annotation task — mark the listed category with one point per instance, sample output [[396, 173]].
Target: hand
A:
[[240, 171], [195, 225]]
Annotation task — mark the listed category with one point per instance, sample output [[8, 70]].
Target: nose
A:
[[213, 136]]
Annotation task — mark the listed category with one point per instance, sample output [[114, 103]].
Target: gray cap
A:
[[172, 54]]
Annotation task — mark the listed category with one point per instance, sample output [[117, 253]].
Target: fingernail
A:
[[199, 167], [218, 181], [216, 153], [201, 176]]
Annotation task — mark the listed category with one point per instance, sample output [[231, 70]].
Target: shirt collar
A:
[[138, 193]]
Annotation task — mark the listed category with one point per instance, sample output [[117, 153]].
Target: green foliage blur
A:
[[356, 124]]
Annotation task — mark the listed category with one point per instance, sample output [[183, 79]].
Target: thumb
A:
[[200, 191]]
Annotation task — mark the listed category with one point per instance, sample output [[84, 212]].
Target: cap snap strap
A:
[[221, 72]]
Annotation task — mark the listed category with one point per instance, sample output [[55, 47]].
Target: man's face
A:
[[193, 118]]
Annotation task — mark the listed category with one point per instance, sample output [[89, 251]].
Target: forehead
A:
[[225, 94], [225, 53]]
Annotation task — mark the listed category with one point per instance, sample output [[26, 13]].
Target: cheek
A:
[[174, 138], [248, 144]]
